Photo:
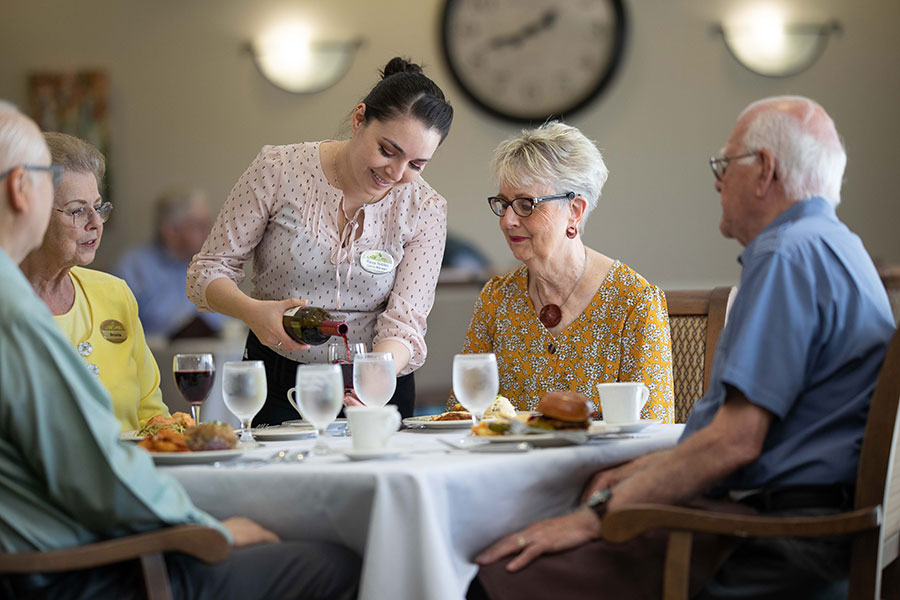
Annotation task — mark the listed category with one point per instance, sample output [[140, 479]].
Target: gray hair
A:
[[75, 155], [174, 203], [20, 138], [556, 155], [809, 156]]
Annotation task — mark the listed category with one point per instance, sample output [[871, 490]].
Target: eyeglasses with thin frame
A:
[[719, 163], [55, 170], [82, 216], [523, 206]]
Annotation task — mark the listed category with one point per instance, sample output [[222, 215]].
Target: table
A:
[[419, 519]]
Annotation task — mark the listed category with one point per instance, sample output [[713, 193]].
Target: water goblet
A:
[[320, 393], [475, 382], [374, 377], [194, 375], [244, 391]]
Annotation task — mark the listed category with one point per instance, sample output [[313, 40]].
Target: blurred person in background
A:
[[95, 310], [156, 272]]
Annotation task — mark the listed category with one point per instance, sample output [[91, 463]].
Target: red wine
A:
[[312, 325], [346, 372], [194, 385]]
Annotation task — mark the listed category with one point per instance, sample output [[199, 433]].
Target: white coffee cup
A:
[[290, 396], [371, 427], [621, 403]]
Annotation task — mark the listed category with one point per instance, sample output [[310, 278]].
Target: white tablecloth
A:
[[419, 519]]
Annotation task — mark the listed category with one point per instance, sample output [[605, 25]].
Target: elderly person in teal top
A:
[[65, 478]]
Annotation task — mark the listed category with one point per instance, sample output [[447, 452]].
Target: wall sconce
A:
[[763, 43], [291, 61]]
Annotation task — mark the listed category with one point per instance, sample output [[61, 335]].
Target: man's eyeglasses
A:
[[523, 206], [82, 216], [55, 170], [719, 163]]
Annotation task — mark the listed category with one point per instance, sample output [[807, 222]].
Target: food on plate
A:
[[167, 440], [211, 436], [499, 426], [500, 407], [453, 415], [178, 422], [205, 436], [562, 411]]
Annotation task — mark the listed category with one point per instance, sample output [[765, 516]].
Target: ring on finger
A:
[[278, 345], [520, 540]]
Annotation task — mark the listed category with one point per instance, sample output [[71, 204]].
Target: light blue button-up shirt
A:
[[65, 478], [805, 340]]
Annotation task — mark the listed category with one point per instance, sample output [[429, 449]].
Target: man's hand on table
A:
[[248, 533], [551, 535]]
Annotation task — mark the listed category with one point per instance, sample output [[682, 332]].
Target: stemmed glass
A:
[[339, 354], [475, 382], [244, 391], [194, 375], [374, 377], [320, 396]]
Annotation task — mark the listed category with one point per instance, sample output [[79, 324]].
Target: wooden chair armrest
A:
[[204, 543], [622, 525]]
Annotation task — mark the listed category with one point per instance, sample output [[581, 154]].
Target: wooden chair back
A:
[[204, 543], [696, 318]]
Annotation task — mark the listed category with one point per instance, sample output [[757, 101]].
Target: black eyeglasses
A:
[[55, 170], [719, 163], [82, 216], [523, 206]]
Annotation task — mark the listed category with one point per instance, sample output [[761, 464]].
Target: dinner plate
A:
[[288, 432], [601, 427], [426, 422], [354, 454], [131, 436], [538, 440], [194, 458]]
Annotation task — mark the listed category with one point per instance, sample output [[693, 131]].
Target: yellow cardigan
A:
[[116, 347]]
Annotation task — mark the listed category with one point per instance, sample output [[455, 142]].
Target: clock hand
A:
[[546, 21]]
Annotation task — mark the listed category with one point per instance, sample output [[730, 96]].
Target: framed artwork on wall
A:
[[75, 102]]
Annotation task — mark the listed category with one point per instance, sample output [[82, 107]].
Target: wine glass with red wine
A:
[[194, 375]]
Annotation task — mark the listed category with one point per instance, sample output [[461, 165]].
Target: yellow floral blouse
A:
[[622, 335]]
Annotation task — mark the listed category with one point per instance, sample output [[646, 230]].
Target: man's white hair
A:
[[809, 156], [20, 139]]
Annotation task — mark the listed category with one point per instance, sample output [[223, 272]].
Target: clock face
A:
[[527, 60]]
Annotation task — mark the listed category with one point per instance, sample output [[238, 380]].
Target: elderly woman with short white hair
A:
[[570, 317]]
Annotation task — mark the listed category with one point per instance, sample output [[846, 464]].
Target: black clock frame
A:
[[612, 67]]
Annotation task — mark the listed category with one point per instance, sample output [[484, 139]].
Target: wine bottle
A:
[[312, 325]]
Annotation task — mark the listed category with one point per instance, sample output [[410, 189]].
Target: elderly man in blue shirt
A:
[[156, 272], [66, 479], [780, 428]]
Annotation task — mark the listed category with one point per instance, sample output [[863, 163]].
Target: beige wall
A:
[[188, 106]]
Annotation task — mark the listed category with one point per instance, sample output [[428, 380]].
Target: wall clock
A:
[[528, 60]]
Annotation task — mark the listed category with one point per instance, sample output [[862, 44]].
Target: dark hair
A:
[[405, 90]]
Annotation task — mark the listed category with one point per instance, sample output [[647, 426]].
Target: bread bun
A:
[[565, 406]]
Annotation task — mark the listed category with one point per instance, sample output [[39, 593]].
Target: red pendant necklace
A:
[[551, 314]]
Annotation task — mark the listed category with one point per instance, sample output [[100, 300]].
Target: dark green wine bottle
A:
[[312, 325]]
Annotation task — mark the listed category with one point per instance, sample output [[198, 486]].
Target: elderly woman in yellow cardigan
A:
[[96, 311]]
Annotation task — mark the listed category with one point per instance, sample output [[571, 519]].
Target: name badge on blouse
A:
[[378, 262], [113, 331]]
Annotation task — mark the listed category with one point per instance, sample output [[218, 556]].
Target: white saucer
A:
[[632, 427], [353, 454]]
